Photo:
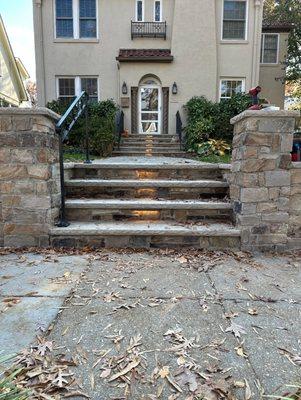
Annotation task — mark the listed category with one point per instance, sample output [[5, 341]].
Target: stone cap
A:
[[265, 113], [296, 164], [11, 111]]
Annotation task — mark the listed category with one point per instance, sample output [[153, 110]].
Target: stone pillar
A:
[[29, 176], [294, 241], [260, 183]]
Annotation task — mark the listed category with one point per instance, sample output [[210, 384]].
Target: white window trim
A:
[[243, 86], [246, 25], [77, 85], [161, 10], [75, 16], [262, 49], [136, 10]]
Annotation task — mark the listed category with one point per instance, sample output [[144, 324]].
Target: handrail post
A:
[[63, 223], [87, 139]]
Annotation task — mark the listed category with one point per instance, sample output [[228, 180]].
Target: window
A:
[[234, 20], [76, 19], [87, 18], [269, 48], [158, 11], [229, 87], [68, 88], [64, 19], [89, 85], [139, 10]]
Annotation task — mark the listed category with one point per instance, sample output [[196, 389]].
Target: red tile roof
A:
[[150, 55], [276, 26]]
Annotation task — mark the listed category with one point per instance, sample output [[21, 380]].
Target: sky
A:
[[18, 21]]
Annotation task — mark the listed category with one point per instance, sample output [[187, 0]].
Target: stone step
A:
[[146, 209], [157, 153], [145, 137], [146, 188], [150, 140], [150, 144], [147, 168], [153, 149], [146, 235]]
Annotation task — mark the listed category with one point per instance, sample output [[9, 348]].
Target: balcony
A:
[[148, 29]]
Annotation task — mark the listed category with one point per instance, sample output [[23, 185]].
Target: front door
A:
[[150, 109]]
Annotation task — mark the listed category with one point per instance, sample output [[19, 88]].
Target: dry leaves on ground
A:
[[45, 375]]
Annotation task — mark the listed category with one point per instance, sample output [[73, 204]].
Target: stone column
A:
[[260, 183], [29, 176]]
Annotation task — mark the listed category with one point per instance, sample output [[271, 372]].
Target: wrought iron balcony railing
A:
[[148, 29]]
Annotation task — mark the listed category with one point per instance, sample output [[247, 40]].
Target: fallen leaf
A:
[[252, 311], [131, 366], [248, 393], [236, 329]]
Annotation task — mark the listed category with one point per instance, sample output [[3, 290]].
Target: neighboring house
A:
[[12, 73], [150, 56], [272, 61]]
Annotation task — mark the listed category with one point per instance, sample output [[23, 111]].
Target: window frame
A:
[[262, 48], [76, 23], [136, 11], [243, 86], [246, 22], [161, 10], [77, 84]]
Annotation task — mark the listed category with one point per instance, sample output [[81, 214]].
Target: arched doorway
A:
[[150, 106]]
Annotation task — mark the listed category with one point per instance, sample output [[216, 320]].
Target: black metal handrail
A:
[[119, 123], [63, 128], [179, 128], [148, 29]]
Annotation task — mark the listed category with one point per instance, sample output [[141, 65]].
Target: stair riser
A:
[[150, 154], [152, 193], [98, 215], [147, 242], [154, 147], [146, 173]]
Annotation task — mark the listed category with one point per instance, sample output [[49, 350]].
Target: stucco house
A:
[[12, 73], [152, 56], [272, 60]]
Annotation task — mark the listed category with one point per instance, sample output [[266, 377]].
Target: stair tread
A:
[[145, 228], [142, 204], [146, 183]]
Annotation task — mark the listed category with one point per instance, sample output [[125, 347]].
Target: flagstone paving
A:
[[178, 310]]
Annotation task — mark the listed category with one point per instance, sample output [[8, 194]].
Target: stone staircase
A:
[[144, 202], [150, 145]]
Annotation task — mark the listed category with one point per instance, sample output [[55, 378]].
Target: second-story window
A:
[[87, 18], [158, 11], [76, 19], [139, 10], [269, 48], [235, 20], [64, 18]]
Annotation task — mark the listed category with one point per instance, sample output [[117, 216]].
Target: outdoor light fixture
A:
[[124, 88], [174, 88]]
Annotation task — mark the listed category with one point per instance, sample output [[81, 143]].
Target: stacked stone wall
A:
[[263, 181], [294, 233], [29, 176]]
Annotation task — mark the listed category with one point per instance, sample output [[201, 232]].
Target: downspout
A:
[[217, 38], [40, 61], [258, 4]]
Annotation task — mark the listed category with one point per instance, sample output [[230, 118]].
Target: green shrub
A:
[[101, 126], [206, 119]]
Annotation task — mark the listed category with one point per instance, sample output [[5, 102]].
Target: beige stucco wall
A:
[[193, 35], [274, 90], [7, 84]]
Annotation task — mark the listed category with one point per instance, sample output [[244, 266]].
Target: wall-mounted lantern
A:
[[174, 88], [124, 88]]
